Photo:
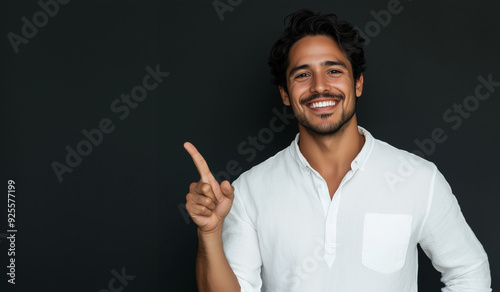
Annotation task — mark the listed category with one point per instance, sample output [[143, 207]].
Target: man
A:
[[324, 213]]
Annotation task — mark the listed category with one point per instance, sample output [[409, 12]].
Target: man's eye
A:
[[301, 75], [335, 71]]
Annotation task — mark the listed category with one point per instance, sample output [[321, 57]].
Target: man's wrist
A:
[[214, 234]]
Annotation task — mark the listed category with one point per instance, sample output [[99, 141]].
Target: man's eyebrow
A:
[[322, 64], [334, 63], [297, 68]]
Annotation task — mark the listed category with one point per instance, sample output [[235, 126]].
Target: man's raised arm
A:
[[208, 203]]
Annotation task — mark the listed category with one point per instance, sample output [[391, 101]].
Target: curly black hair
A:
[[303, 23]]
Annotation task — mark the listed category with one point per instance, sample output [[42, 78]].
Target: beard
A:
[[327, 129]]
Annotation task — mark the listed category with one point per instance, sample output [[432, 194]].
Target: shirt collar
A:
[[358, 162]]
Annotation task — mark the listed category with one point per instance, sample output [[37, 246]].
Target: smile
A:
[[322, 104]]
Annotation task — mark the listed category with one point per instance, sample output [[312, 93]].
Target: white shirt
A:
[[284, 233]]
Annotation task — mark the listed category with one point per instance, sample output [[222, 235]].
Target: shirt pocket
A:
[[385, 241]]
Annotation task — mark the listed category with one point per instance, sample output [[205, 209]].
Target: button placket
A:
[[331, 229], [321, 189], [330, 249]]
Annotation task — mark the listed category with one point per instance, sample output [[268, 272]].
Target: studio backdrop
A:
[[98, 97]]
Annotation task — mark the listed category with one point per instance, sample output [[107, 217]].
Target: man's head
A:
[[318, 65], [307, 23]]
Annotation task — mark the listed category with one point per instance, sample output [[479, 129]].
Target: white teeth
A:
[[322, 104]]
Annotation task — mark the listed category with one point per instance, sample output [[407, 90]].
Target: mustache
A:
[[320, 95]]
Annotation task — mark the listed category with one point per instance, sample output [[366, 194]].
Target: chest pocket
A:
[[385, 241]]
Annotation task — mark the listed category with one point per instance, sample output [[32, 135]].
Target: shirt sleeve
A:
[[240, 243], [451, 245]]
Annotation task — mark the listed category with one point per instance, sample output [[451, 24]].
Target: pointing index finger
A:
[[199, 161]]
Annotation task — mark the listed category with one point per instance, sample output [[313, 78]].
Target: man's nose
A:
[[320, 84]]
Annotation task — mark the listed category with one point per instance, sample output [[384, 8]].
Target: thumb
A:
[[227, 190]]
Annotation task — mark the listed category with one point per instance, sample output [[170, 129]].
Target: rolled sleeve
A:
[[450, 243], [241, 245]]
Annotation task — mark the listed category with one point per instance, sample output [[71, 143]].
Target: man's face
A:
[[321, 87]]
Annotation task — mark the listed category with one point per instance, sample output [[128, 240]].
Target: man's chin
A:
[[321, 130], [324, 128]]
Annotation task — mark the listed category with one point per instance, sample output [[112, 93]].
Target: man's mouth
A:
[[321, 104]]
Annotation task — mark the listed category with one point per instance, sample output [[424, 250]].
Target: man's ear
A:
[[284, 96], [359, 86]]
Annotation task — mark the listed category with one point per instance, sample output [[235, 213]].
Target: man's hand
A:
[[207, 202]]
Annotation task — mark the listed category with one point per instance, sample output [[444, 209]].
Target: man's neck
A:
[[332, 155]]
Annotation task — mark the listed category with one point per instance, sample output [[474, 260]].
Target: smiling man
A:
[[320, 215]]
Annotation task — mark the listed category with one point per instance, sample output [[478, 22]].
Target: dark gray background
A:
[[122, 206]]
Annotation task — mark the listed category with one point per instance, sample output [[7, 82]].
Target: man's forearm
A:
[[213, 272], [476, 279]]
